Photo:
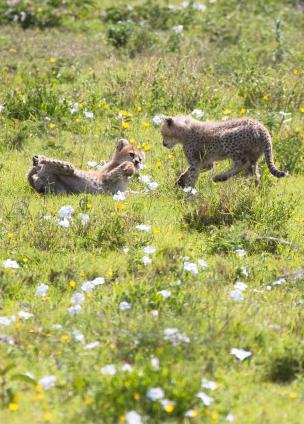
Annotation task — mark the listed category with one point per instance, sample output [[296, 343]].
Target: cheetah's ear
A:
[[169, 121], [121, 144]]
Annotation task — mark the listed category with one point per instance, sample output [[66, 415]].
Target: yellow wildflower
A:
[[136, 396], [77, 120], [10, 235], [120, 206], [146, 147], [132, 140], [89, 205], [122, 418], [52, 60], [88, 400], [65, 338], [125, 125], [169, 408], [265, 98], [18, 325], [242, 111], [25, 259], [302, 109], [170, 157], [293, 395], [295, 72], [52, 125], [39, 388], [214, 416], [146, 124], [156, 231], [13, 406], [72, 284], [47, 416], [139, 108], [105, 106], [158, 164], [227, 112]]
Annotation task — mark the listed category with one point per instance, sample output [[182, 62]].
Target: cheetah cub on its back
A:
[[241, 140], [60, 177]]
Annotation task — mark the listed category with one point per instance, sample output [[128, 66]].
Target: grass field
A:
[[79, 352]]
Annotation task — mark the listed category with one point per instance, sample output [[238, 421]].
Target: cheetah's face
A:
[[173, 129], [125, 152]]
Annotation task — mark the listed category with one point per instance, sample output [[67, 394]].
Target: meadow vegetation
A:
[[108, 299]]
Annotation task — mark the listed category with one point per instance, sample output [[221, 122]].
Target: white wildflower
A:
[[240, 252], [239, 285], [190, 190], [66, 212], [5, 321], [191, 267], [108, 369], [207, 400], [47, 382], [42, 290], [178, 29], [92, 164], [245, 271], [202, 263], [230, 418], [149, 250], [154, 313], [77, 298], [92, 345], [89, 115], [155, 393], [120, 196], [98, 281], [133, 417], [9, 263], [143, 227], [146, 179], [197, 113], [279, 282], [65, 223], [164, 293], [237, 295], [125, 306], [78, 336], [153, 186], [84, 218], [74, 108], [25, 315], [158, 119], [1, 108], [210, 385], [146, 260], [155, 362], [87, 286], [173, 336], [240, 354], [74, 310], [126, 368]]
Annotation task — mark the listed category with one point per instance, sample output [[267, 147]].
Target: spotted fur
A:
[[241, 140], [60, 177]]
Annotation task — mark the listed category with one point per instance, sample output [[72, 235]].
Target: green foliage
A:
[[125, 65]]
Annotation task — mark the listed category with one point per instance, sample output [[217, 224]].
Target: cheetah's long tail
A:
[[268, 154]]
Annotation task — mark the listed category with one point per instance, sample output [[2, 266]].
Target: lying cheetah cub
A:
[[242, 140], [60, 177]]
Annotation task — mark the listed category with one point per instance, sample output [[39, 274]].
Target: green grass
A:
[[233, 59]]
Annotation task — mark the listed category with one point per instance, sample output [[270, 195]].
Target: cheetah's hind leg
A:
[[54, 166], [253, 170], [236, 168]]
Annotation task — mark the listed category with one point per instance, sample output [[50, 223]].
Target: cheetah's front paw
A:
[[128, 169]]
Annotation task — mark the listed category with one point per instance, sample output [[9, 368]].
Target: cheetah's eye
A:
[[131, 155]]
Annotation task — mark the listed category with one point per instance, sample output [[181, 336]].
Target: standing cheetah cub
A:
[[241, 140], [60, 177]]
